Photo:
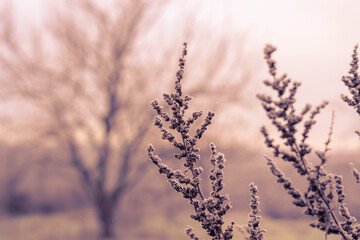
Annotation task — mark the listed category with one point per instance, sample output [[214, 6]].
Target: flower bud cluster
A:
[[352, 81], [324, 190], [208, 211]]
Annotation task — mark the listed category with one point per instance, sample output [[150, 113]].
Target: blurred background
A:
[[76, 81]]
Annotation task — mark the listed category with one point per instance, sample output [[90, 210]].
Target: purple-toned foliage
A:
[[352, 81], [253, 231], [209, 210], [325, 190]]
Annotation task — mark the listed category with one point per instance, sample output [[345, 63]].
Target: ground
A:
[[81, 225]]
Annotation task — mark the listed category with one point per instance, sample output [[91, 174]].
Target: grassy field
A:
[[81, 225]]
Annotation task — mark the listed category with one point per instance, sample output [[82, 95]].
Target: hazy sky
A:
[[314, 40]]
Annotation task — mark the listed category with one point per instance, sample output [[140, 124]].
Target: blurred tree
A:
[[84, 82], [77, 78]]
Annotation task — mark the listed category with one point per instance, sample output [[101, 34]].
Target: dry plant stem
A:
[[329, 208], [253, 231], [320, 195], [320, 192], [256, 233], [352, 81], [191, 168], [208, 211], [183, 135]]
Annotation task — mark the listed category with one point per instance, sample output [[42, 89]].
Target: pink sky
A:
[[314, 40]]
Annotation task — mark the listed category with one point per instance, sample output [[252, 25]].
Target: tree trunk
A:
[[106, 209], [107, 226]]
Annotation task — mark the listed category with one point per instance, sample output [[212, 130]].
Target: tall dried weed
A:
[[324, 199], [209, 210]]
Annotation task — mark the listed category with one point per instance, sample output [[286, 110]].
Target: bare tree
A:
[[81, 85], [82, 76]]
